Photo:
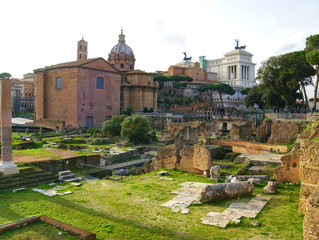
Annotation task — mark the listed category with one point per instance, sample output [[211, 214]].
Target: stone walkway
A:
[[187, 194], [235, 211]]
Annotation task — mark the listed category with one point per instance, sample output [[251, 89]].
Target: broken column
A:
[[213, 192], [6, 166]]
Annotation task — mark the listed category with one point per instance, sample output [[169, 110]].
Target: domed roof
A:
[[122, 47]]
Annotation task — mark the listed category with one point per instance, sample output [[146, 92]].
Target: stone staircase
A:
[[26, 179]]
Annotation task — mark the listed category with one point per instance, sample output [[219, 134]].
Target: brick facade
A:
[[79, 97]]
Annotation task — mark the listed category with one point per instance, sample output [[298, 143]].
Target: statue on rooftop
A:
[[237, 45], [186, 58]]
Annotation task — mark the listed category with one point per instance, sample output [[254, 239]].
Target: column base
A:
[[9, 168]]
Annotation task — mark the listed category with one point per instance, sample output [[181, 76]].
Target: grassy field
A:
[[130, 209], [38, 231]]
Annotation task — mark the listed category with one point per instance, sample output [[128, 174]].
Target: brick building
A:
[[138, 90], [82, 93], [23, 94]]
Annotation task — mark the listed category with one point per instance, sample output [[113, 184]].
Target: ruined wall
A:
[[187, 159], [202, 158], [289, 170], [184, 133], [241, 132], [309, 166], [311, 221], [167, 157], [194, 159], [248, 147], [285, 131]]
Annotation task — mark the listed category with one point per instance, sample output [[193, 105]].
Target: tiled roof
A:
[[78, 63]]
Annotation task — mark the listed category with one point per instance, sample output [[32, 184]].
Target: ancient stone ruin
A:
[[184, 133], [6, 166], [185, 153], [194, 159]]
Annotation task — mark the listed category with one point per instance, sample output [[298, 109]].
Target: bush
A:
[[113, 127], [135, 129], [92, 131]]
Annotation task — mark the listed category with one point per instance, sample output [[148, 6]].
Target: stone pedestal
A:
[[6, 166]]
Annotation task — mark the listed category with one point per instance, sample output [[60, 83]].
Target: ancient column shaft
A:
[[6, 166]]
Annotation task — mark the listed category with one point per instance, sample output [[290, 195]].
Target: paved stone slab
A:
[[235, 211], [186, 195]]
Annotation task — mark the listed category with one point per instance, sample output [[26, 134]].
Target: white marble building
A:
[[236, 69]]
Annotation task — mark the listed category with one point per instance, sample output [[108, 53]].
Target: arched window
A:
[[100, 83]]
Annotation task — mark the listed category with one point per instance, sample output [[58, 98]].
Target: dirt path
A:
[[21, 158]]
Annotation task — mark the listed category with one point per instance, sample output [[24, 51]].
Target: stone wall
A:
[[285, 131], [309, 165], [289, 170], [184, 133], [194, 159], [248, 147], [242, 131], [311, 221], [167, 157], [68, 163]]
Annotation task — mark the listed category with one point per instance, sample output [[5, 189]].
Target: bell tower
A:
[[82, 50]]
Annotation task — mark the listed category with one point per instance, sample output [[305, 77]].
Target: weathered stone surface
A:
[[214, 172], [283, 132], [184, 133], [235, 180], [162, 173], [202, 158], [167, 157], [213, 192], [235, 211], [289, 170], [187, 194], [309, 166], [311, 221], [195, 159], [263, 178], [271, 187], [254, 181]]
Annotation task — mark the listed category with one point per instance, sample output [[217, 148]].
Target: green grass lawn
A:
[[38, 231], [130, 209]]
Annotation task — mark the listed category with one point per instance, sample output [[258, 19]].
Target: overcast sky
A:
[[35, 34]]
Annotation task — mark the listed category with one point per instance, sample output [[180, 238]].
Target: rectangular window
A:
[[122, 65], [58, 83], [100, 83]]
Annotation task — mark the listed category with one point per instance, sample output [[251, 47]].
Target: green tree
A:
[[128, 111], [221, 88], [254, 96], [136, 129], [5, 75], [160, 79], [312, 56], [113, 127], [245, 91], [284, 75], [272, 99]]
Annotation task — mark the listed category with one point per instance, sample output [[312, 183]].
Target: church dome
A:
[[122, 56], [122, 47]]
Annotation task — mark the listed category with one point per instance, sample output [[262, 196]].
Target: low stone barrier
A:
[[74, 231], [248, 147], [68, 163]]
